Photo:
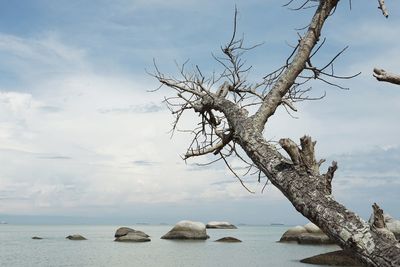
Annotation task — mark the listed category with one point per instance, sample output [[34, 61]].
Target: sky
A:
[[82, 136]]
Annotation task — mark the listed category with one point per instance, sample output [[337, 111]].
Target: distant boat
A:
[[3, 222]]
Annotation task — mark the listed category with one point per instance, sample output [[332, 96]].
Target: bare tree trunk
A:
[[225, 123], [310, 192]]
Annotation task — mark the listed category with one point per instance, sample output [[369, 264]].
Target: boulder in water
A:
[[187, 230], [220, 225], [307, 234], [228, 239], [137, 236], [293, 233], [335, 258], [75, 237], [126, 234]]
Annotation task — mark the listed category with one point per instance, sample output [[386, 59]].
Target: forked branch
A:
[[303, 156]]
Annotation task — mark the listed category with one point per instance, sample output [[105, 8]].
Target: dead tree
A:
[[234, 117]]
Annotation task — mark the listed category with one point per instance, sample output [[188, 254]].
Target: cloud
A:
[[55, 157], [142, 108], [144, 163], [38, 56], [50, 109], [368, 176]]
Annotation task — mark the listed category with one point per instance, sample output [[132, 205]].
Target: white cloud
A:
[[40, 55]]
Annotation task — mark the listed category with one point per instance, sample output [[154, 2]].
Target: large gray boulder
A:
[[126, 234], [293, 233], [187, 230], [75, 237], [137, 236], [307, 234], [392, 224], [220, 225], [335, 258]]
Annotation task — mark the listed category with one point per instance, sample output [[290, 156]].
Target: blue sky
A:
[[81, 136]]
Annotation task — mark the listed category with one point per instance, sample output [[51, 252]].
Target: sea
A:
[[259, 247]]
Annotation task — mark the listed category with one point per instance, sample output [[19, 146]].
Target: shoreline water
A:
[[259, 247]]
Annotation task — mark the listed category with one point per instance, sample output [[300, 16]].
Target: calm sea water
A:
[[259, 248]]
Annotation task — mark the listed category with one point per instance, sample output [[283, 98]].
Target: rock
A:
[[293, 233], [75, 237], [307, 234], [187, 230], [392, 224], [220, 225], [314, 239], [122, 231], [37, 238], [228, 239], [126, 234], [133, 237], [335, 258]]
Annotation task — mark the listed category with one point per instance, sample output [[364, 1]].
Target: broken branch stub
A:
[[378, 219], [384, 76], [303, 157], [329, 176]]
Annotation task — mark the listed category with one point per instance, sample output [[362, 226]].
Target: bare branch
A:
[[235, 174], [329, 176], [382, 75], [289, 104], [215, 148], [292, 149], [378, 219], [296, 66], [382, 7]]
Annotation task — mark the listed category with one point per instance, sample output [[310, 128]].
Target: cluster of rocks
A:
[[198, 231], [183, 230], [311, 234], [307, 234]]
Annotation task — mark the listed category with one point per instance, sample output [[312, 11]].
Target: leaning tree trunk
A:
[[310, 192], [298, 178]]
